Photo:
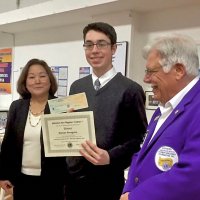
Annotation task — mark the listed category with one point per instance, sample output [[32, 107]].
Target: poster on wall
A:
[[119, 59], [5, 70], [61, 74], [84, 71]]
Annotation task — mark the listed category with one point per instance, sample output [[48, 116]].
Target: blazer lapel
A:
[[152, 126], [169, 120], [150, 130], [148, 145], [172, 117], [176, 112], [23, 115]]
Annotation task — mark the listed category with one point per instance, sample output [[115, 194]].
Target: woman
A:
[[23, 165]]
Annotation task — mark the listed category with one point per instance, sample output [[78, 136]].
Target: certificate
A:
[[62, 104], [64, 133]]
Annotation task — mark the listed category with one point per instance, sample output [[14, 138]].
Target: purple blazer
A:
[[168, 167]]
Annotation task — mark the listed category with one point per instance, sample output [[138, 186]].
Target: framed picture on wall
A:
[[151, 103]]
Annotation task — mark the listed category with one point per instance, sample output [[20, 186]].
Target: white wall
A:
[[63, 45], [60, 46], [179, 20]]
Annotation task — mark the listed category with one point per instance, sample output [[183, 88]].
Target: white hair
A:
[[175, 49]]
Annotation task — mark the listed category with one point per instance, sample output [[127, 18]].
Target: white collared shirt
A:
[[105, 78], [167, 109]]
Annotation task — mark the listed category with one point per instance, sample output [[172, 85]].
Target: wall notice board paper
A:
[[61, 75], [5, 70], [120, 57]]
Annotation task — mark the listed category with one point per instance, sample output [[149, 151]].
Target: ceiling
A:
[[9, 5], [137, 5], [84, 14]]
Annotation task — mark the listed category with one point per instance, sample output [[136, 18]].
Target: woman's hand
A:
[[6, 185]]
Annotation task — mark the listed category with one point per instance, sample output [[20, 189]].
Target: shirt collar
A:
[[179, 96], [105, 77]]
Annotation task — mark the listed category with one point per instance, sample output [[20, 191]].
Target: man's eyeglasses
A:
[[100, 45], [151, 71]]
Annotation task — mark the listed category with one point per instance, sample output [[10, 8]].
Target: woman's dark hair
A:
[[21, 83], [103, 27]]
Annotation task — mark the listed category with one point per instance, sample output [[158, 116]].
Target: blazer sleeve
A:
[[181, 181]]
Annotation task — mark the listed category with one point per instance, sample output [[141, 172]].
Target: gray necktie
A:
[[97, 84]]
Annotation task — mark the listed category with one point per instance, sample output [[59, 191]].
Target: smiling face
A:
[[38, 82], [164, 85], [99, 58]]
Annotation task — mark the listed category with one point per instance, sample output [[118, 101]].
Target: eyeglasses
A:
[[151, 71], [100, 45]]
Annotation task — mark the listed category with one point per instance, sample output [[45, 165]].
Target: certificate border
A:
[[73, 115]]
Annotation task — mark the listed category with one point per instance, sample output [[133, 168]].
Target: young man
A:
[[119, 116], [167, 166]]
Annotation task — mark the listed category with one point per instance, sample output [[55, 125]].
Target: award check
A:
[[62, 104], [64, 133]]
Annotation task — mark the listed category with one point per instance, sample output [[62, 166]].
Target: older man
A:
[[168, 165]]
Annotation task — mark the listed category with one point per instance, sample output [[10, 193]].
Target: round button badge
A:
[[165, 158]]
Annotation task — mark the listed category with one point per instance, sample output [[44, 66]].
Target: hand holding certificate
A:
[[61, 105], [64, 133]]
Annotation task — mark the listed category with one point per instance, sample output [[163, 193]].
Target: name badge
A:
[[165, 158]]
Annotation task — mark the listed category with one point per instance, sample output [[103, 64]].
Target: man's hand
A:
[[94, 154], [124, 196]]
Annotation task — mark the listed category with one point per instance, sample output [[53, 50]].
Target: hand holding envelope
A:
[[69, 103]]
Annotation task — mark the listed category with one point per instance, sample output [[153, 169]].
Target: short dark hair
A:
[[21, 83], [103, 27]]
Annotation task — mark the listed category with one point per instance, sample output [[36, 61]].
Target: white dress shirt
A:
[[167, 109]]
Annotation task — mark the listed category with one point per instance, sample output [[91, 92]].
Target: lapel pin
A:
[[176, 112], [157, 117]]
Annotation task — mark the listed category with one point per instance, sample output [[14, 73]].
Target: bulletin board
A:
[[120, 57], [5, 70], [61, 75]]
